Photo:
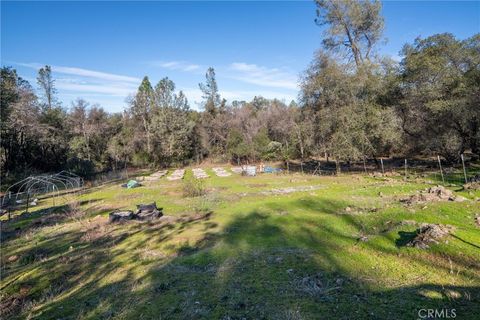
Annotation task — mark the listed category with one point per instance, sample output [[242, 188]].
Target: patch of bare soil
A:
[[437, 193], [257, 185], [291, 190], [472, 186], [95, 229], [10, 305], [473, 183], [319, 286], [355, 210], [430, 233]]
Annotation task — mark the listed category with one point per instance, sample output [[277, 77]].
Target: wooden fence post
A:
[[405, 169], [464, 171], [440, 165], [381, 161]]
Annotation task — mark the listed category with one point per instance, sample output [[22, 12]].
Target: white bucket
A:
[[251, 171]]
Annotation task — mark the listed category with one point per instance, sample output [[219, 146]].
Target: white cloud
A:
[[98, 87], [396, 57], [82, 88], [263, 76], [94, 74], [110, 90], [194, 96], [176, 65], [84, 73]]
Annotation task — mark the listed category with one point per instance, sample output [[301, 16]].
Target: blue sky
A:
[[100, 50]]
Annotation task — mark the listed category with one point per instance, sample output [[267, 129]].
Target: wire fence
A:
[[433, 170], [36, 189], [106, 177], [438, 172]]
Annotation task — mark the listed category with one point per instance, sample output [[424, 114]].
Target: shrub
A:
[[193, 187]]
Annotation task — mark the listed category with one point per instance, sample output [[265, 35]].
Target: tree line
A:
[[353, 103]]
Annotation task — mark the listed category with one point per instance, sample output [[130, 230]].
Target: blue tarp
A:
[[271, 170], [132, 184]]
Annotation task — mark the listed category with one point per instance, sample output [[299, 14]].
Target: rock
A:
[[117, 216], [440, 192], [348, 209], [477, 220], [436, 193], [12, 258], [472, 186], [428, 234], [363, 239]]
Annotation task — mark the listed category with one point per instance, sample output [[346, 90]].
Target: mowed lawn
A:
[[248, 249]]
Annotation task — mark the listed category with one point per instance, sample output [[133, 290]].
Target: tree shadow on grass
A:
[[405, 237], [255, 267], [464, 241], [30, 221]]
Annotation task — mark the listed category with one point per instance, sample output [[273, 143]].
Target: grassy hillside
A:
[[251, 248]]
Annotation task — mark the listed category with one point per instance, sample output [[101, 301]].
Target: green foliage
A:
[[351, 123], [237, 148], [273, 151], [172, 128], [47, 87], [351, 26], [141, 159], [210, 92], [82, 167], [193, 187], [261, 142], [440, 100]]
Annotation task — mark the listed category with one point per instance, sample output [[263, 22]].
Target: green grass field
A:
[[243, 252]]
